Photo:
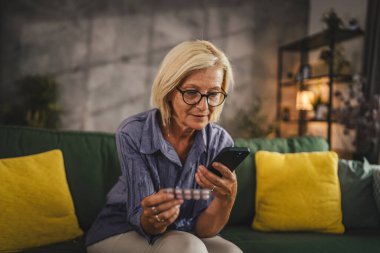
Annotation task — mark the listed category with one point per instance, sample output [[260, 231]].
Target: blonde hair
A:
[[184, 58]]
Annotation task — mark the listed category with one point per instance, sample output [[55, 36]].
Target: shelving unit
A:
[[326, 39]]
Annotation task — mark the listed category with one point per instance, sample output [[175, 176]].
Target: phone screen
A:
[[230, 157]]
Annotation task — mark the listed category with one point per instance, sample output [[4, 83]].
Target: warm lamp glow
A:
[[304, 99]]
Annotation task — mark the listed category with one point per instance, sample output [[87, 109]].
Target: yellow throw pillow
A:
[[36, 207], [298, 192]]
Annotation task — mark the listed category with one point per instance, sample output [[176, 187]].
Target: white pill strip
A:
[[187, 194]]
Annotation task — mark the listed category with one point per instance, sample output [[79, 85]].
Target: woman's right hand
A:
[[160, 210]]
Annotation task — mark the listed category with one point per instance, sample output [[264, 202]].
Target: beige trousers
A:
[[169, 242]]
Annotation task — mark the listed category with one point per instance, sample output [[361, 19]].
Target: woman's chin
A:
[[199, 124]]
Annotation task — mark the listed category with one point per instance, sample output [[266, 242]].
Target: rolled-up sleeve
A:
[[138, 184]]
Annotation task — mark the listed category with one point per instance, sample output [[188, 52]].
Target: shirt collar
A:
[[151, 139], [200, 141]]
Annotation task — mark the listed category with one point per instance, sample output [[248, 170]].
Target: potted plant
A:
[[363, 115], [251, 123], [36, 104]]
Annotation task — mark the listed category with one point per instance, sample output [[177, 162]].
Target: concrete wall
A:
[[105, 53]]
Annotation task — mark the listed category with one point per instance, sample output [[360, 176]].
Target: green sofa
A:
[[92, 168]]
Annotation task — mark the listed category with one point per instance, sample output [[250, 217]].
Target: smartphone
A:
[[230, 157]]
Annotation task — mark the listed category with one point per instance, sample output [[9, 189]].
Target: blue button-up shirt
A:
[[148, 164]]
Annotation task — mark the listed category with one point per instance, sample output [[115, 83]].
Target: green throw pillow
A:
[[358, 204]]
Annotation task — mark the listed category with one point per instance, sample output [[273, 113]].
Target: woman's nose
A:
[[203, 105]]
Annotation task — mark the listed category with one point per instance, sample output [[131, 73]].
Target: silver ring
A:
[[158, 219], [213, 188], [154, 209]]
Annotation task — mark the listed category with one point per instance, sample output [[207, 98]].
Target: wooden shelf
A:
[[321, 39], [296, 121], [327, 38], [320, 121], [315, 80]]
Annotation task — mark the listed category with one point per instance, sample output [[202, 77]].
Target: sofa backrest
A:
[[92, 166], [91, 162], [243, 210]]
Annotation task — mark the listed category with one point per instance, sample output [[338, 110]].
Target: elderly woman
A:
[[168, 147]]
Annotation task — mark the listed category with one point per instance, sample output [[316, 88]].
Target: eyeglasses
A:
[[193, 97]]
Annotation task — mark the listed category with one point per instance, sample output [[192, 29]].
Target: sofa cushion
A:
[[243, 210], [37, 208], [376, 185], [298, 192], [355, 241], [91, 162], [74, 246], [358, 204]]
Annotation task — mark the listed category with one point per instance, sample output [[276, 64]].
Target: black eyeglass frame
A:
[[207, 95]]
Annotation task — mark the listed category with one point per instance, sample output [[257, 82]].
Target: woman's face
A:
[[196, 116]]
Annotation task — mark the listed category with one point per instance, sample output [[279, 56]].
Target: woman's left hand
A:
[[224, 187]]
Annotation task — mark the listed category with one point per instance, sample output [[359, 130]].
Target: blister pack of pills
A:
[[187, 194]]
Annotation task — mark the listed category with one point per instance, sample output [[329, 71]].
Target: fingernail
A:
[[168, 190]]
